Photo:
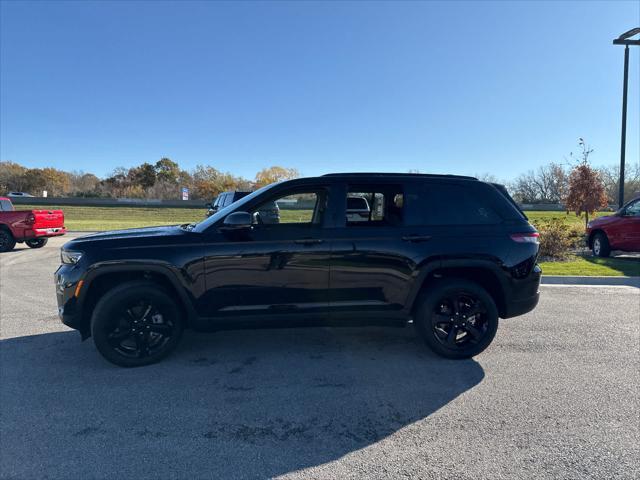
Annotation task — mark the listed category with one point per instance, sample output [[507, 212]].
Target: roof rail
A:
[[382, 174]]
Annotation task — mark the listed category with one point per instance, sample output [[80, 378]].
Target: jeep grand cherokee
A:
[[450, 254]]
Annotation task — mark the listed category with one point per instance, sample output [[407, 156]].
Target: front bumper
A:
[[66, 279]]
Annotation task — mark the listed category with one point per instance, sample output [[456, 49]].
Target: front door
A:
[[280, 267]]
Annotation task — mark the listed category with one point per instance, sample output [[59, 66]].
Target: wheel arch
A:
[[593, 234], [100, 280], [485, 273]]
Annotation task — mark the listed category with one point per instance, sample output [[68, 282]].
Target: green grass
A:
[[569, 218], [593, 266], [90, 219], [114, 218]]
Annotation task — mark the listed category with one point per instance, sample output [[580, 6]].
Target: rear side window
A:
[[6, 206], [449, 204], [374, 205]]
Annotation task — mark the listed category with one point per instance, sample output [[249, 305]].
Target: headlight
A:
[[69, 257]]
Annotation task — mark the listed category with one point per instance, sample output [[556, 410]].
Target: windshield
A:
[[220, 214]]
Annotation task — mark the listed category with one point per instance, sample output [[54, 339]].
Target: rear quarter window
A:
[[451, 204]]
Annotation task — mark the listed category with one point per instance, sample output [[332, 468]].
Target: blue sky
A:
[[440, 87]]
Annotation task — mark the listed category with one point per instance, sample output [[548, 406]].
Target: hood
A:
[[133, 233], [132, 236], [600, 221]]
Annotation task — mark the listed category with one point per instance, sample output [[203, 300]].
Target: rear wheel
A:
[[457, 319], [37, 242], [136, 324], [600, 245], [7, 242]]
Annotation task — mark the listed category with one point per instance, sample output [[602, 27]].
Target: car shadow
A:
[[237, 404]]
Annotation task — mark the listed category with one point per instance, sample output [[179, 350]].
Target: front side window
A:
[[6, 206], [293, 208], [633, 210], [374, 205]]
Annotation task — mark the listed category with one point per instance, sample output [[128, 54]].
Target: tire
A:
[[36, 242], [136, 324], [461, 335], [7, 242], [600, 245]]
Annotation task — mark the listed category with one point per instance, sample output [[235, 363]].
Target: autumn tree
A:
[[275, 174], [586, 193], [12, 177], [167, 170]]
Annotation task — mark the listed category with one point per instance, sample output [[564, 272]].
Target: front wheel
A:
[[136, 324], [37, 242], [457, 318]]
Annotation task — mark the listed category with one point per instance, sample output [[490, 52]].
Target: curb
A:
[[580, 280]]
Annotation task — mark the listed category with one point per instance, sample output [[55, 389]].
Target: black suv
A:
[[224, 200], [450, 254]]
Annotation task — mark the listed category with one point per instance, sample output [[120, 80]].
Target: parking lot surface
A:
[[555, 396]]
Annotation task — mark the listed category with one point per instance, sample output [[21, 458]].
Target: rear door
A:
[[374, 257]]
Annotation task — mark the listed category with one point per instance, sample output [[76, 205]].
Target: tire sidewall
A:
[[9, 241], [109, 306], [37, 242], [428, 303]]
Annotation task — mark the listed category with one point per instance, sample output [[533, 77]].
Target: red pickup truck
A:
[[30, 226], [620, 231]]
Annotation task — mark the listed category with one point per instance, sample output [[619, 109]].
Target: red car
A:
[[30, 226], [620, 231]]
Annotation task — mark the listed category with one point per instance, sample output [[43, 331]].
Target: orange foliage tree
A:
[[586, 193]]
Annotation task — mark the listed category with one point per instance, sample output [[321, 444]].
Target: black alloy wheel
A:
[[457, 318], [136, 323], [140, 330]]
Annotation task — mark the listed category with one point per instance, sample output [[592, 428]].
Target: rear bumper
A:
[[48, 232], [524, 294]]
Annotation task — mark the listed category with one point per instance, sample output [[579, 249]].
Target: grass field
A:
[[593, 266], [91, 219], [115, 218]]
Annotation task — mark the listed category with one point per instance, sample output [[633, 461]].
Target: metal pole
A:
[[623, 140]]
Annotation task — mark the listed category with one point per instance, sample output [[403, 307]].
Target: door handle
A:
[[308, 241], [416, 238]]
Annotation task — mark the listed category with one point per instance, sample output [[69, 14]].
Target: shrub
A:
[[558, 239]]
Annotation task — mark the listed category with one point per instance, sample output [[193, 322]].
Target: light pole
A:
[[624, 39]]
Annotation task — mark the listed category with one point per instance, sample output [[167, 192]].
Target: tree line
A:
[[550, 183], [163, 179]]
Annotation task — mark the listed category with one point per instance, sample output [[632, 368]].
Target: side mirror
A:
[[236, 221]]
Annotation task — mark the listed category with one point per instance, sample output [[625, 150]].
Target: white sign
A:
[[185, 193], [44, 193]]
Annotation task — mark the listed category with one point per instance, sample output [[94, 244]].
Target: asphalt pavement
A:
[[555, 396]]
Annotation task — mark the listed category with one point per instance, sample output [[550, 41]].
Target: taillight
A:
[[31, 219], [529, 237]]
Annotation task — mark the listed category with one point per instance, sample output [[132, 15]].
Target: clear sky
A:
[[330, 86]]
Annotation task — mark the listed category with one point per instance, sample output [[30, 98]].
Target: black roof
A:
[[381, 174]]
